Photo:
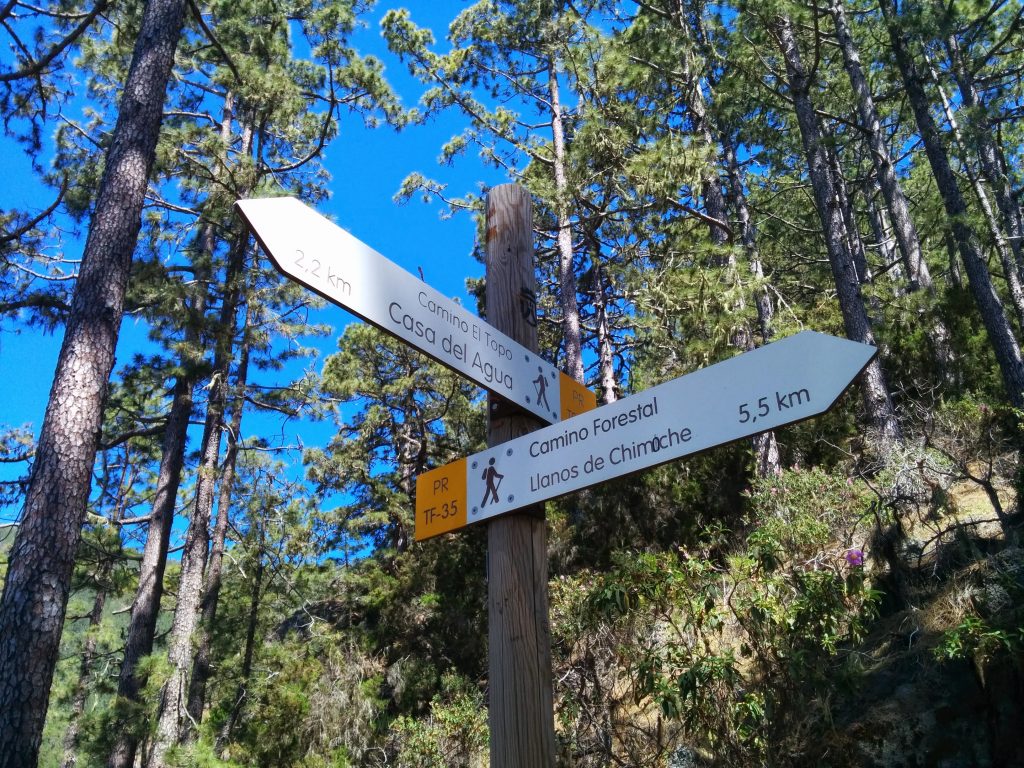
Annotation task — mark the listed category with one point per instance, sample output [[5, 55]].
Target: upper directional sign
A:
[[314, 251], [790, 380]]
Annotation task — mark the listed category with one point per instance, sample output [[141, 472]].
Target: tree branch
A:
[[17, 233], [213, 39], [703, 217], [37, 67]]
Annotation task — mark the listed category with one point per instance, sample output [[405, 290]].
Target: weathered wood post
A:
[[521, 708]]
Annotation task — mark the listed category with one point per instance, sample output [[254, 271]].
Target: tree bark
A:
[[605, 355], [905, 232], [1010, 266], [765, 445], [41, 561], [602, 327], [955, 277], [566, 263], [853, 240], [877, 402], [993, 316], [711, 185], [884, 242], [146, 607]]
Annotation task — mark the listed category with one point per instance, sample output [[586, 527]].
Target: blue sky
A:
[[367, 167]]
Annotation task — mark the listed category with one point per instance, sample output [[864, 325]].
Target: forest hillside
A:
[[208, 545]]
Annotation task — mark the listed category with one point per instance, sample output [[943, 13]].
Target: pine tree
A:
[[983, 132], [512, 54], [278, 141], [36, 589], [686, 61], [414, 600], [40, 39], [877, 400], [990, 306]]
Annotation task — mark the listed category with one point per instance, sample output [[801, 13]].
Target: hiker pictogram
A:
[[542, 389], [493, 478]]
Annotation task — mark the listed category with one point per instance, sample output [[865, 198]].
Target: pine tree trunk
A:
[[211, 596], [602, 328], [767, 462], [748, 236], [566, 263], [245, 674], [411, 436], [605, 355], [765, 446], [1010, 271], [983, 136], [711, 186], [39, 575], [955, 277], [172, 711], [907, 240], [877, 402], [905, 232], [853, 240], [880, 230], [146, 605], [85, 669], [1000, 335]]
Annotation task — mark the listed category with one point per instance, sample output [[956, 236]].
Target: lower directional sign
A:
[[787, 381]]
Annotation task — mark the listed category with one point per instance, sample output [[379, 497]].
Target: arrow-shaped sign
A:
[[790, 380], [317, 253]]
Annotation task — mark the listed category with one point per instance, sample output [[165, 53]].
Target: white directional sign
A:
[[790, 380], [314, 251]]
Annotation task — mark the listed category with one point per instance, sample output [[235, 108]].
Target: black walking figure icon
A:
[[542, 389], [493, 478]]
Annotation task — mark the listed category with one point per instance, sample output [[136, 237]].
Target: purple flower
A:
[[854, 557]]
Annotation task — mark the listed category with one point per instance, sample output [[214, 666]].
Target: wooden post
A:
[[521, 708]]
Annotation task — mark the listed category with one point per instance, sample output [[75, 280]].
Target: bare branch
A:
[[16, 234], [36, 68]]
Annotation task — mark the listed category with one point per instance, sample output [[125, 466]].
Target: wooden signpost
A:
[[521, 708], [527, 463]]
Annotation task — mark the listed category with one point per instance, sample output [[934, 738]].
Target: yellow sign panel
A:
[[441, 500], [575, 397], [442, 493]]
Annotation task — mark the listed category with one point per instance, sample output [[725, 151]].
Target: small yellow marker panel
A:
[[441, 500], [575, 397]]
